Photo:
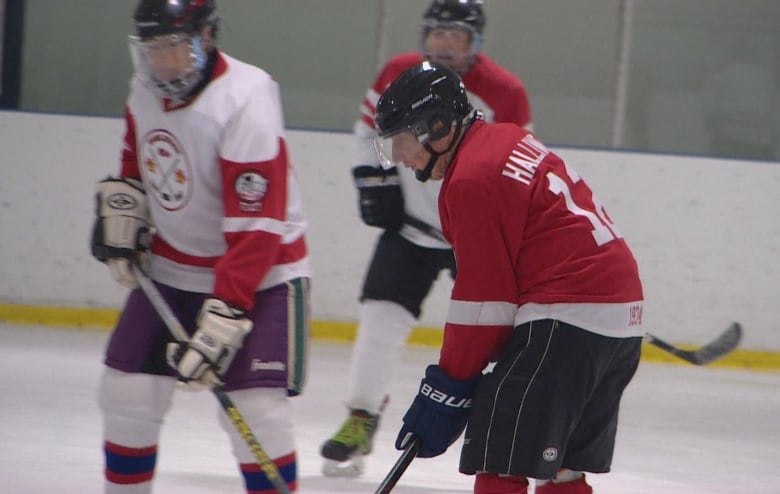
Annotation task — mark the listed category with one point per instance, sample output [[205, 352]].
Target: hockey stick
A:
[[424, 227], [410, 451], [179, 334], [712, 351]]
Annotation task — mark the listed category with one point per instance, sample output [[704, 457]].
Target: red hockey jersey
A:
[[531, 242]]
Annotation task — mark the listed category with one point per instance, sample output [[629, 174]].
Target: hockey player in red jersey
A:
[[207, 200], [546, 288], [411, 252]]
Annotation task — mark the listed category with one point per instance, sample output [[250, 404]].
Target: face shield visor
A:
[[170, 65], [402, 148]]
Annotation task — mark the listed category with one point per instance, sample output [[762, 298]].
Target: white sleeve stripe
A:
[[481, 313], [269, 225], [364, 110], [372, 96]]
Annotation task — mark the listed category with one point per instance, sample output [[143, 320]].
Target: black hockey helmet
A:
[[158, 17], [422, 96], [466, 14], [427, 100]]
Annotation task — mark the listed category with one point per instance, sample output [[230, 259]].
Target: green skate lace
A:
[[356, 431]]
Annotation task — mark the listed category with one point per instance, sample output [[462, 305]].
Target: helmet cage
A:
[[475, 46], [165, 25], [462, 15], [179, 85]]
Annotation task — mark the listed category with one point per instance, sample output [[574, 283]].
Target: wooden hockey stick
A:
[[712, 351], [410, 451], [177, 330]]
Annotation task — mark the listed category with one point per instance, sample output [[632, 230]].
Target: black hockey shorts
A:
[[403, 272], [551, 402]]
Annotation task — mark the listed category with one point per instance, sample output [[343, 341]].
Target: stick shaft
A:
[[179, 333], [400, 466], [266, 463]]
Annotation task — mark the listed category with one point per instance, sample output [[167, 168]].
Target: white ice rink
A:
[[683, 430]]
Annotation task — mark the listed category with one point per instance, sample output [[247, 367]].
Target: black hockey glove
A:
[[438, 413], [380, 199]]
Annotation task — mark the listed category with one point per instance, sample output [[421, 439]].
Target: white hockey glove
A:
[[208, 355], [122, 231]]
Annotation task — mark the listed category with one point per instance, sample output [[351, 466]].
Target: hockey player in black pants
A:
[[411, 252]]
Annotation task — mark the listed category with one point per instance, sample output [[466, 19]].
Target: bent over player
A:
[[207, 200], [547, 288], [411, 251]]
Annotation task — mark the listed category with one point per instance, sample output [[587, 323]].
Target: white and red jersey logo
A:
[[166, 169]]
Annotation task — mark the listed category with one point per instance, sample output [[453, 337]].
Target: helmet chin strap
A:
[[424, 174]]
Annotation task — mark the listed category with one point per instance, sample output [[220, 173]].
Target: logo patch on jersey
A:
[[166, 169], [250, 189]]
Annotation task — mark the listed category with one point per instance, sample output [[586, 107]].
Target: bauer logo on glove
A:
[[438, 413], [443, 398]]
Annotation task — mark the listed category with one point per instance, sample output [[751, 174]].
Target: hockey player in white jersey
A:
[[207, 201], [411, 252]]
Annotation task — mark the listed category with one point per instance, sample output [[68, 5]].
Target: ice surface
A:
[[683, 430]]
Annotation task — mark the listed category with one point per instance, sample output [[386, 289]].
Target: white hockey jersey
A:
[[223, 196]]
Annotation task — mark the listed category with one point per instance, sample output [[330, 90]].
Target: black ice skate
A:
[[344, 452]]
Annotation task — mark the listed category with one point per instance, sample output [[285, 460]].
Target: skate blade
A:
[[354, 467]]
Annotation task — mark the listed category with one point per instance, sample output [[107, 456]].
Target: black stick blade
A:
[[720, 347], [716, 349]]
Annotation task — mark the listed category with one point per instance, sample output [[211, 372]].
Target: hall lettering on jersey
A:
[[524, 159]]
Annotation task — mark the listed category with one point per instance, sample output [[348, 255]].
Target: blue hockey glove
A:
[[438, 413], [381, 201]]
